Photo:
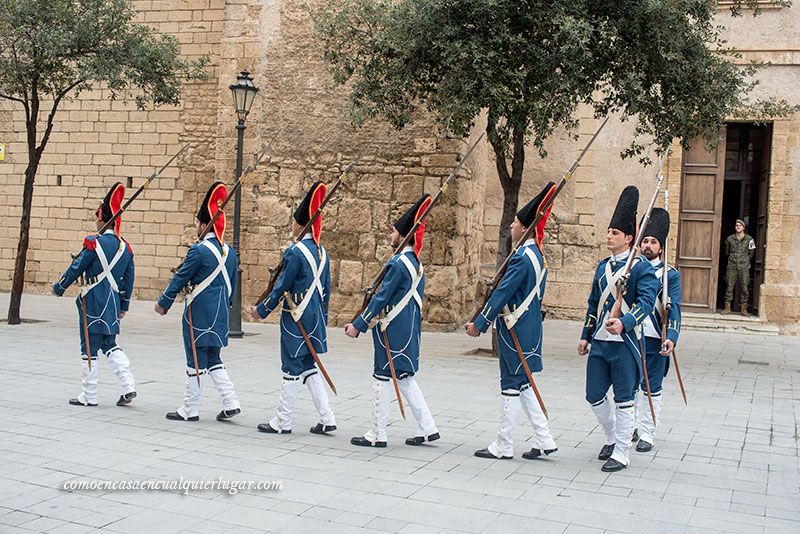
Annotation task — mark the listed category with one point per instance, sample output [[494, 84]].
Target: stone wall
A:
[[298, 113], [96, 142], [576, 233]]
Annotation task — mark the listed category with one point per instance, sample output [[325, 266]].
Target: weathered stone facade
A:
[[298, 114]]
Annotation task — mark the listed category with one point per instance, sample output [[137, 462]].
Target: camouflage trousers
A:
[[742, 274]]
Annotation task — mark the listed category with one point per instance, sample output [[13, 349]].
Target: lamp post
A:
[[244, 92]]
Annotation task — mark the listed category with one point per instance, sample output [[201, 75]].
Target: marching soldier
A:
[[656, 352], [398, 307], [210, 270], [304, 287], [106, 263], [739, 251], [517, 304], [614, 355]]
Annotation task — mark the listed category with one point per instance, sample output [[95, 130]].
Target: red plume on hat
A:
[[309, 206], [540, 227], [317, 196], [111, 204], [216, 195]]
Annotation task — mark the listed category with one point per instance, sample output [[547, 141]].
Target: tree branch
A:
[[52, 114], [9, 97]]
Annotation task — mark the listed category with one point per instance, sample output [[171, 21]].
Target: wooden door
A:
[[700, 215], [760, 234]]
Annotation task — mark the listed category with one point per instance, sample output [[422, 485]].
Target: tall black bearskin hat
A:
[[624, 218], [658, 226]]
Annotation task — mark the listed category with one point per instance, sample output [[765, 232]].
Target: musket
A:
[[247, 170], [310, 347], [200, 237], [138, 192], [86, 329], [393, 373], [275, 272], [666, 306], [501, 271], [622, 284], [108, 225], [370, 291]]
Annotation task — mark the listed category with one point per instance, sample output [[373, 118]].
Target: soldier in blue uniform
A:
[[106, 263], [656, 353], [209, 271], [304, 287], [397, 306], [517, 304], [614, 355]]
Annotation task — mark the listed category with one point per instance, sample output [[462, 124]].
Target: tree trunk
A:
[[34, 155], [510, 182], [18, 283]]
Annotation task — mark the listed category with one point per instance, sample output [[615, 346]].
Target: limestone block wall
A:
[[298, 114], [97, 142]]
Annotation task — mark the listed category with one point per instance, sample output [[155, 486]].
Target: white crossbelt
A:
[[612, 278], [199, 288], [648, 324], [611, 285], [412, 293], [316, 283], [511, 317], [106, 273]]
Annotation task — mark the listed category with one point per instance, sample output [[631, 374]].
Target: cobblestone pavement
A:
[[726, 462]]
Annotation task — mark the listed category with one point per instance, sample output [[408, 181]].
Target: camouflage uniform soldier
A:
[[739, 249]]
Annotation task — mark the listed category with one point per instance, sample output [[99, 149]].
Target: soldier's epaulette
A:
[[90, 242]]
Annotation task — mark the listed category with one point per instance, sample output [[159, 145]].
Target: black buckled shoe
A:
[[644, 446], [536, 453], [419, 440], [175, 416], [319, 428], [266, 427], [126, 399], [224, 415], [76, 402], [635, 436], [364, 442], [612, 465], [484, 453], [606, 452]]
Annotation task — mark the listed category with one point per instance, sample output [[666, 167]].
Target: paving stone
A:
[[726, 462]]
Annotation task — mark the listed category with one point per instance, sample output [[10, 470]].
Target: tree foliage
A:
[[52, 50], [531, 63]]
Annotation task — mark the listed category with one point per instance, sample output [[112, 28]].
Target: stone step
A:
[[733, 323]]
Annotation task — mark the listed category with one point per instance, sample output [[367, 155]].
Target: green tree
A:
[[52, 50], [530, 63]]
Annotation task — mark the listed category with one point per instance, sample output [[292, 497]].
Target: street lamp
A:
[[244, 92]]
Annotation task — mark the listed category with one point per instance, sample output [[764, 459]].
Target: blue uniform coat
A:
[[295, 280], [674, 292], [517, 283], [404, 331], [103, 305], [210, 308], [640, 297], [658, 365]]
